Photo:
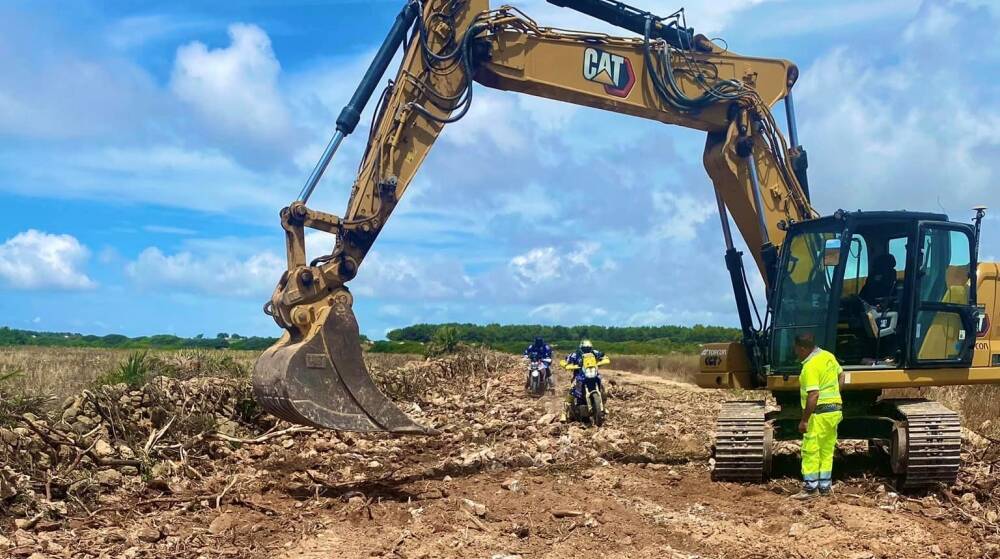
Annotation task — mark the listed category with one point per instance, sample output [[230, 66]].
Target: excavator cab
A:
[[882, 290]]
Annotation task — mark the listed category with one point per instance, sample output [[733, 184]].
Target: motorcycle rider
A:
[[539, 351], [576, 358]]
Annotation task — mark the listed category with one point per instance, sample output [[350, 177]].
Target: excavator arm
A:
[[315, 373]]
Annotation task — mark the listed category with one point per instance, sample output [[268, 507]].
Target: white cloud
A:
[[38, 260], [536, 266], [216, 273], [568, 313], [679, 215], [917, 134], [235, 89], [403, 278], [204, 180], [489, 119]]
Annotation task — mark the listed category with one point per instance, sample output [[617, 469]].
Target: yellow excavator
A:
[[898, 296]]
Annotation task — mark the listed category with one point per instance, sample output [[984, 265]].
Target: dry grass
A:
[[979, 406], [54, 374], [675, 366]]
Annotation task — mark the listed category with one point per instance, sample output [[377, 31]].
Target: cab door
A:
[[943, 324]]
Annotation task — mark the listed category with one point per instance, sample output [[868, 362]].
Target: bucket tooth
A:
[[320, 380]]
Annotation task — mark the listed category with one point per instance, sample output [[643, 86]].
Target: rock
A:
[[103, 449], [991, 516], [109, 478], [129, 470], [4, 542], [543, 458], [23, 539], [374, 464], [512, 484], [522, 460], [503, 556], [161, 470], [546, 419], [85, 422], [70, 414], [521, 530], [542, 444], [475, 508], [148, 534], [566, 513], [223, 523], [227, 427]]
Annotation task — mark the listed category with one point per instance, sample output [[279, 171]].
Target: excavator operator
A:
[[819, 389], [881, 281]]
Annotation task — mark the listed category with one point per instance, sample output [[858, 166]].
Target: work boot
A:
[[827, 491], [805, 495]]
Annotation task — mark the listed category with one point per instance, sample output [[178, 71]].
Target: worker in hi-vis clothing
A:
[[819, 388]]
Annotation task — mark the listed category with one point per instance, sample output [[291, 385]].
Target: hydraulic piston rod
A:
[[351, 114]]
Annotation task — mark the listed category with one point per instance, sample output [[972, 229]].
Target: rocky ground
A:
[[192, 469]]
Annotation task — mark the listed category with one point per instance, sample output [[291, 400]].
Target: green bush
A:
[[133, 370], [444, 341]]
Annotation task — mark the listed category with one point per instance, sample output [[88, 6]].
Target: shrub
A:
[[444, 341], [133, 370]]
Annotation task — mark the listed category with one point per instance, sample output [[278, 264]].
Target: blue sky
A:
[[146, 148]]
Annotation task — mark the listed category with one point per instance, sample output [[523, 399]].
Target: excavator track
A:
[[742, 443], [927, 444]]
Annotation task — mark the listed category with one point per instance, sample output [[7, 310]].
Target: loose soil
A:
[[506, 479]]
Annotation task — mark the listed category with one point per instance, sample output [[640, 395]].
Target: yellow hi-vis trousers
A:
[[817, 450]]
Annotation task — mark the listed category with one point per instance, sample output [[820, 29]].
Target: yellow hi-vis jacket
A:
[[820, 371]]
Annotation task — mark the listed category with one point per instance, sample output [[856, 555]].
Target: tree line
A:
[[620, 339], [15, 337]]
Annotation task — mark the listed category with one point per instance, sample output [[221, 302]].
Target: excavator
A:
[[898, 296]]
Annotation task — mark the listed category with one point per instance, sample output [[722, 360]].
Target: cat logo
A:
[[612, 70], [712, 358]]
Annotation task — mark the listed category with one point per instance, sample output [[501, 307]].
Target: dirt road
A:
[[650, 497]]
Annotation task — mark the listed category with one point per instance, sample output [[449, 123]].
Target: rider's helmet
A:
[[539, 342], [586, 346]]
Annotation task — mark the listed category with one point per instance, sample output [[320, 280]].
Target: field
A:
[[186, 466]]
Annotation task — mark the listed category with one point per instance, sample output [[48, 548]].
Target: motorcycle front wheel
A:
[[597, 408]]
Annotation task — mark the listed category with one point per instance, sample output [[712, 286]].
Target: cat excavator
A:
[[898, 296]]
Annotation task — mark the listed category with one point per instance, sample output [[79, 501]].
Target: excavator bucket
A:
[[320, 379]]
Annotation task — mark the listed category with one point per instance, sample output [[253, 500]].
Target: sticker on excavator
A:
[[316, 361]]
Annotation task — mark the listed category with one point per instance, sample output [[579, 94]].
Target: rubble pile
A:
[[191, 468]]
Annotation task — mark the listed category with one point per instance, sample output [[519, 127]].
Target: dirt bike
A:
[[587, 392], [539, 376]]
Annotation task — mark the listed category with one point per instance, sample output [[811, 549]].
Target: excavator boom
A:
[[315, 374]]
